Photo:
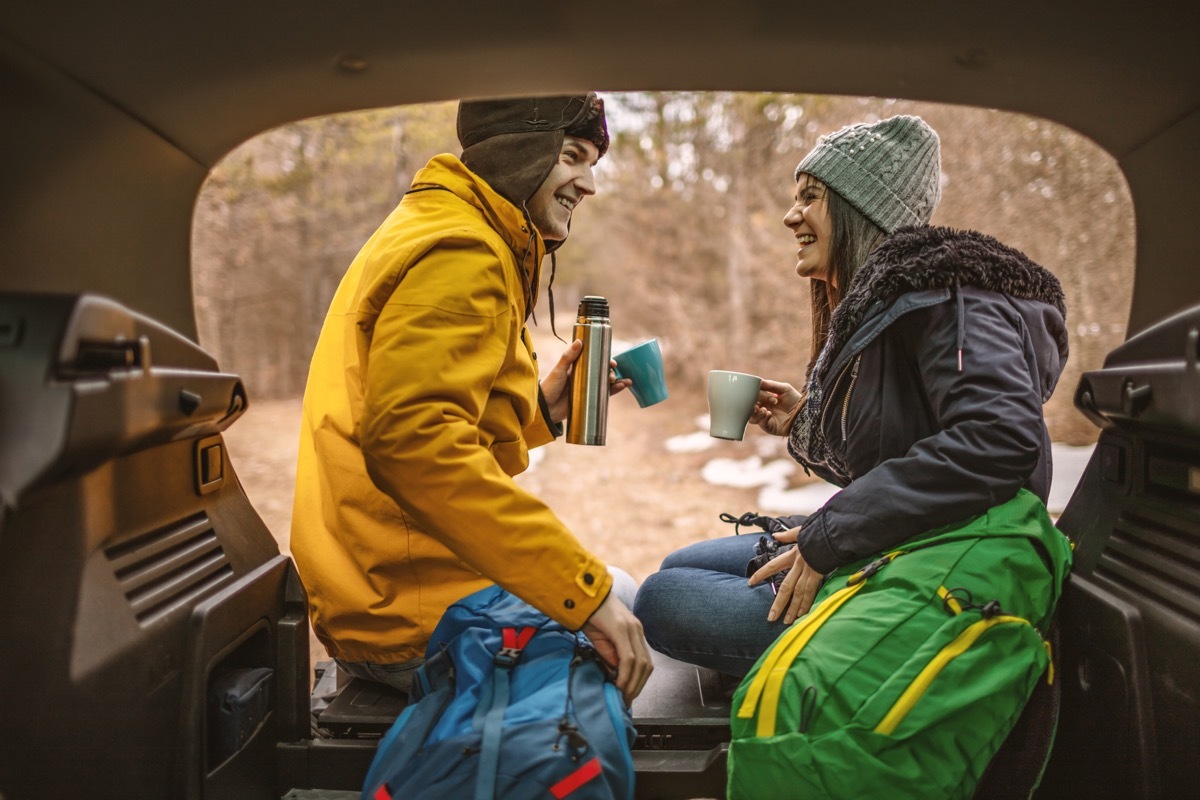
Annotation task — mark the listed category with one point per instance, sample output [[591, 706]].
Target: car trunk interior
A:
[[156, 641]]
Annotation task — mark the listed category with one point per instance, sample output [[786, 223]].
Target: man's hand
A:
[[799, 586], [556, 386], [617, 635]]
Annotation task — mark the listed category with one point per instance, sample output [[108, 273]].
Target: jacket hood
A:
[[932, 257], [447, 173], [917, 267]]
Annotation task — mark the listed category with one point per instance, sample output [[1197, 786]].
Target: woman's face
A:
[[809, 220]]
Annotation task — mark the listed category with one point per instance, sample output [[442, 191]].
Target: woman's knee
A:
[[654, 604], [728, 554]]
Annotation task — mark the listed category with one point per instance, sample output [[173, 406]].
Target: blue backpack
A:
[[509, 704]]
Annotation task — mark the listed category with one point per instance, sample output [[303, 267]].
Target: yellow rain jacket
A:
[[421, 404]]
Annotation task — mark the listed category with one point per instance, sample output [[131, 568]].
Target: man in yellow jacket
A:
[[423, 400]]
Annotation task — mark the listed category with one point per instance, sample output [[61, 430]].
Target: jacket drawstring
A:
[[550, 293], [528, 281], [962, 322]]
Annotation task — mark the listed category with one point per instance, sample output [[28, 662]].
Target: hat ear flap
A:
[[515, 164]]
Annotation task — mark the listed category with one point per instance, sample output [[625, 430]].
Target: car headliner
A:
[[113, 113]]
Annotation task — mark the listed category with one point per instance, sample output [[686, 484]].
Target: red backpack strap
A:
[[579, 777], [512, 643]]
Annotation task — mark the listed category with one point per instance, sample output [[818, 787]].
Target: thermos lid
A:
[[593, 306]]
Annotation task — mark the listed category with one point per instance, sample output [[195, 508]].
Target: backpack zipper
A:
[[768, 681], [911, 696]]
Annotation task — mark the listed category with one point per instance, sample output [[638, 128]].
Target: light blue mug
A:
[[643, 365]]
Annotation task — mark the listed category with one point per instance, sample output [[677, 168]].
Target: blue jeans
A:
[[699, 608], [398, 676]]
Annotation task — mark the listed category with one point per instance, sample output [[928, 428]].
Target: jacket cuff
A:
[[814, 544], [555, 427], [593, 583]]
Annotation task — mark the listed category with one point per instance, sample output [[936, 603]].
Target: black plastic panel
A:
[[1130, 724], [128, 594]]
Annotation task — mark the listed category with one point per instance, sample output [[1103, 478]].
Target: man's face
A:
[[568, 183]]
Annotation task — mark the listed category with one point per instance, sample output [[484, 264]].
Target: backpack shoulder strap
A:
[[512, 643]]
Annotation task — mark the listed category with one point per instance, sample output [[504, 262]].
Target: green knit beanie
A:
[[889, 170]]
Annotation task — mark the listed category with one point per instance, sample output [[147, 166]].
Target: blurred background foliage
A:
[[685, 236]]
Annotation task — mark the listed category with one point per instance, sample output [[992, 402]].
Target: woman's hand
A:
[[776, 402], [799, 586], [557, 383]]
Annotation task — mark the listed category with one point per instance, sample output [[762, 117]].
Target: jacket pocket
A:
[[512, 456]]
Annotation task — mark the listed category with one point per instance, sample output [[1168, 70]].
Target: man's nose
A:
[[586, 182]]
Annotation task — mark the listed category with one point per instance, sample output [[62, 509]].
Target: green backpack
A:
[[911, 668]]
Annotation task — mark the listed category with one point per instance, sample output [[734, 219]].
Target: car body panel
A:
[[112, 116], [91, 86]]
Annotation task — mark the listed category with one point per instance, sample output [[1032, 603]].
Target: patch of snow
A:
[[776, 498], [689, 443], [1069, 465], [748, 472], [806, 499]]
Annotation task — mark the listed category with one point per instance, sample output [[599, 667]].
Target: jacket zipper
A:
[[852, 368], [846, 401], [911, 696], [768, 681]]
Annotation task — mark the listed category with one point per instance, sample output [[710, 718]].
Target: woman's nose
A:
[[793, 217]]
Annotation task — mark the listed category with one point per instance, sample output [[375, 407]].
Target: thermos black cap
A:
[[592, 306]]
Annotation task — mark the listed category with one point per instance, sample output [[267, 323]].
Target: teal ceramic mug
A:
[[643, 365]]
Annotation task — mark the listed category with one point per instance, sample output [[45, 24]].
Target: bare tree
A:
[[685, 236]]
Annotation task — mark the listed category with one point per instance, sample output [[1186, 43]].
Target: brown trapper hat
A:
[[513, 143]]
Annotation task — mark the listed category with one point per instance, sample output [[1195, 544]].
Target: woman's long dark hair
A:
[[852, 238]]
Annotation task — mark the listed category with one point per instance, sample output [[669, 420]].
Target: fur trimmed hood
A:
[[918, 260], [931, 257]]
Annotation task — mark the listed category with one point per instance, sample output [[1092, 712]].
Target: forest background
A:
[[685, 238]]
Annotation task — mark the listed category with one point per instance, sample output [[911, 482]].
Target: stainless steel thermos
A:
[[587, 415]]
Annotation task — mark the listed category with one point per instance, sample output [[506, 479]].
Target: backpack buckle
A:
[[511, 645], [506, 656], [872, 568]]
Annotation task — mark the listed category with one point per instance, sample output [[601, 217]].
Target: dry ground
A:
[[632, 501]]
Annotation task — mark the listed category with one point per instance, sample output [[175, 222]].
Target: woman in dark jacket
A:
[[933, 353]]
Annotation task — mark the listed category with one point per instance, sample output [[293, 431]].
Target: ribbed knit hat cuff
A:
[[592, 125], [846, 176]]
